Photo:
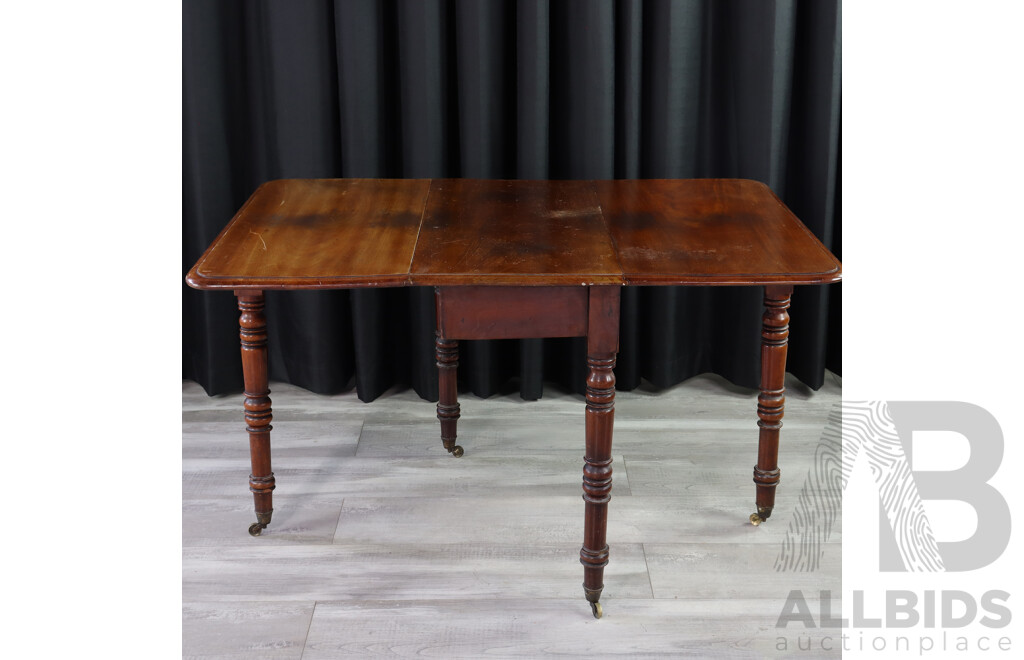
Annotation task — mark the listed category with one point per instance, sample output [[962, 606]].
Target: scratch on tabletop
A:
[[261, 239]]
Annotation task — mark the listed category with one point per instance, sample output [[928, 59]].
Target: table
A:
[[518, 259]]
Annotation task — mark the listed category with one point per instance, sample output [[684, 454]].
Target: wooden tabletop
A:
[[348, 233]]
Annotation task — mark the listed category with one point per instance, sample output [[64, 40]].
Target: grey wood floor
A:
[[382, 544]]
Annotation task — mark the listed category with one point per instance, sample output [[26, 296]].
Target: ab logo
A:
[[882, 432]]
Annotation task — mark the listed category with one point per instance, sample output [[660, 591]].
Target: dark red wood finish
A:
[[258, 414], [519, 259], [501, 312], [710, 232], [345, 233], [317, 234], [447, 353], [515, 233], [602, 347], [470, 313], [490, 312], [772, 399]]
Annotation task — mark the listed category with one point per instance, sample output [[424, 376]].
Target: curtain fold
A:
[[530, 89]]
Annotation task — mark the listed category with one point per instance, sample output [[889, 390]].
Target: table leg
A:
[[771, 401], [447, 353], [602, 346], [257, 404]]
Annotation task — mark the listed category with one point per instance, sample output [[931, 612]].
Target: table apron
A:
[[506, 312]]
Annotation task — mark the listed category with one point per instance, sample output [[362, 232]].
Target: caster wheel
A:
[[596, 609], [457, 451], [256, 529], [763, 512]]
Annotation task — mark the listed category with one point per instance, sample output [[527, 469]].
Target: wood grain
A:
[[427, 476], [710, 232], [526, 628], [214, 521], [269, 631], [731, 570], [706, 514], [333, 438], [394, 571], [348, 233], [420, 528], [317, 234], [502, 312], [524, 233], [560, 435]]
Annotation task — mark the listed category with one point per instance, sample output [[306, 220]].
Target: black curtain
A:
[[528, 89]]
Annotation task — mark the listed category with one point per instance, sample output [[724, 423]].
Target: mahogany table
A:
[[518, 259]]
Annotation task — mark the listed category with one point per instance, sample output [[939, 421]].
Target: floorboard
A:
[[383, 545]]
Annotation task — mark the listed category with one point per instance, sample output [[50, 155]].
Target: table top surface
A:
[[350, 233]]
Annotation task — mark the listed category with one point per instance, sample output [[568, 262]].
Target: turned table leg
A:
[[447, 353], [771, 401], [602, 345], [257, 404]]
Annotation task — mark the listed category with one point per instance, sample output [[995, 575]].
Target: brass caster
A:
[[763, 512], [457, 451], [596, 609], [256, 529]]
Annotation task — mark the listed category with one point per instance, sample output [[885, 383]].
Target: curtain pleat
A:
[[528, 89]]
